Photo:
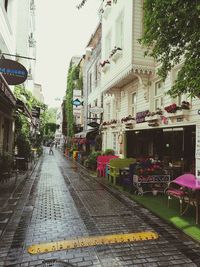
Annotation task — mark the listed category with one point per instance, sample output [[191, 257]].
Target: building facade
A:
[[7, 99], [140, 119]]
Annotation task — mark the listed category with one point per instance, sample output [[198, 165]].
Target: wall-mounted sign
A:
[[13, 72], [96, 110], [77, 102]]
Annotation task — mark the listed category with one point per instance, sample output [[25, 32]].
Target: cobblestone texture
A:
[[61, 201]]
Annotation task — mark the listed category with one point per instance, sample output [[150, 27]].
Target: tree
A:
[[172, 35]]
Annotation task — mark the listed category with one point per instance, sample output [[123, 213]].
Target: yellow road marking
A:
[[91, 241]]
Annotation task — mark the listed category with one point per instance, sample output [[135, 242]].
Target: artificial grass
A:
[[158, 205]]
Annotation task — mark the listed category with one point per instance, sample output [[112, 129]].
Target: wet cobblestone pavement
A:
[[60, 201]]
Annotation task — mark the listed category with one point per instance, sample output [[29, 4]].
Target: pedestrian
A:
[[51, 149]]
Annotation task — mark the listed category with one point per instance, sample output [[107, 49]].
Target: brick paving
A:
[[61, 201]]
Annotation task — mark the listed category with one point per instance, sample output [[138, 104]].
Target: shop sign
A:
[[96, 110], [13, 72], [35, 112], [77, 102], [140, 116]]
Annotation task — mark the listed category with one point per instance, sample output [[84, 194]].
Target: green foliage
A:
[[109, 152], [6, 163], [91, 161], [171, 33], [24, 145], [74, 80]]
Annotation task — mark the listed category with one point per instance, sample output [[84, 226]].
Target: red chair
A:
[[101, 164]]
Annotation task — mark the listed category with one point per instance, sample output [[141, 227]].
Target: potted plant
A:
[[6, 164]]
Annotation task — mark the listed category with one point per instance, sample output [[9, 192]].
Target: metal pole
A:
[[18, 56]]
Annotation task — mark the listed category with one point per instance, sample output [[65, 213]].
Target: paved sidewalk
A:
[[10, 193], [61, 201]]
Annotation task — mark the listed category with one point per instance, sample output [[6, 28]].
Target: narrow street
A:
[[60, 201]]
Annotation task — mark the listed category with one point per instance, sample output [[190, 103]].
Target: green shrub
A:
[[91, 161], [109, 152], [6, 162]]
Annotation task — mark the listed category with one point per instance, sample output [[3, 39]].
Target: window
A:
[[133, 104], [107, 45], [108, 111], [158, 95], [120, 31], [90, 82], [115, 142]]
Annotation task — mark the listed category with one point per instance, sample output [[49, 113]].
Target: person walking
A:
[[51, 149]]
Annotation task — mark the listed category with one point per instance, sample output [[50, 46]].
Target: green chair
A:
[[115, 165]]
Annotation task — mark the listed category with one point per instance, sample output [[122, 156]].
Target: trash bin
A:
[[75, 155]]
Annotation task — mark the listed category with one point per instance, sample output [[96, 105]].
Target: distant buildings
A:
[[37, 92]]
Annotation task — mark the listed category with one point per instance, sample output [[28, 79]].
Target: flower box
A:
[[179, 113], [105, 67], [129, 122], [116, 55], [113, 125], [152, 118]]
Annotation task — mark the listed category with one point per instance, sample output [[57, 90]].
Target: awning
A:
[[5, 92], [22, 107], [87, 134]]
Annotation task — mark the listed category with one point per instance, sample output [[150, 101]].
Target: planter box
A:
[[106, 67], [116, 55], [179, 113], [153, 118]]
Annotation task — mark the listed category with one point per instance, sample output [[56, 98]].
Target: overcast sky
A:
[[62, 31]]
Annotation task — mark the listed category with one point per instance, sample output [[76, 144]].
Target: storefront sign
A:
[[13, 72], [140, 116], [96, 110]]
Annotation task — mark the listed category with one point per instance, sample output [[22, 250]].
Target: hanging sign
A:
[[77, 102], [13, 72], [96, 110]]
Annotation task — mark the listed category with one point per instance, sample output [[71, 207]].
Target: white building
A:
[[132, 91], [7, 100], [37, 92], [16, 25], [25, 40]]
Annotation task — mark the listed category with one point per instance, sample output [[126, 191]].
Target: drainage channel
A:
[[55, 263]]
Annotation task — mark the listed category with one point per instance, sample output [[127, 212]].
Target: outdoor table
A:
[[190, 182]]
